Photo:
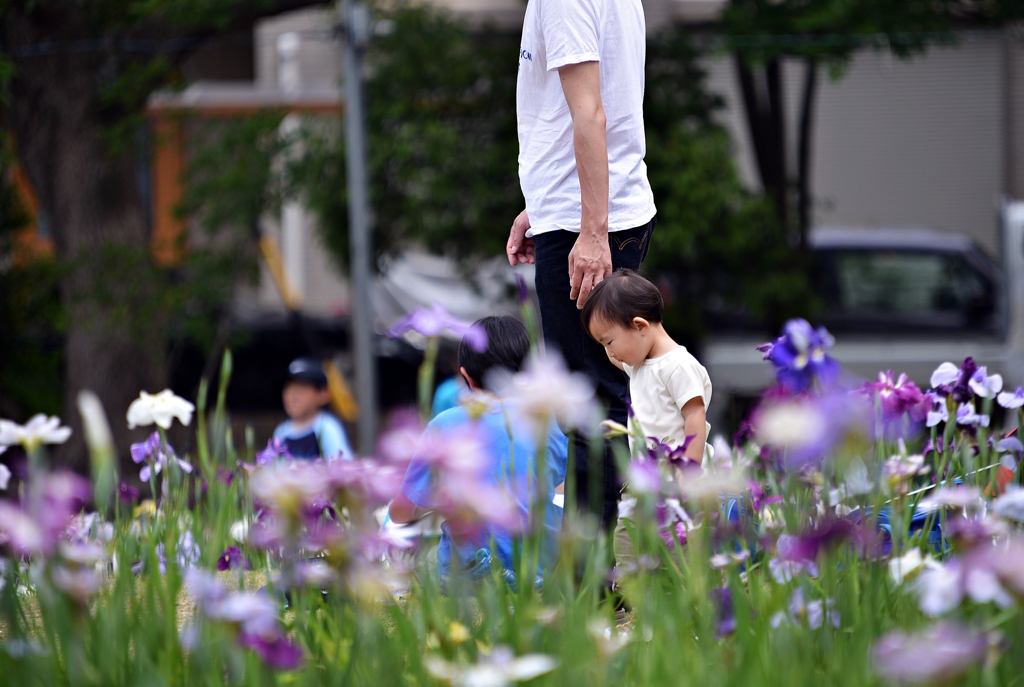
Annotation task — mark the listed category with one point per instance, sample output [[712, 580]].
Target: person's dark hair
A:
[[621, 297], [508, 344]]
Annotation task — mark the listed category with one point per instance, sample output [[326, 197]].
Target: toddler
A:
[[669, 389]]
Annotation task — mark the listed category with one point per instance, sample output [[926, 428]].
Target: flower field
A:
[[850, 534]]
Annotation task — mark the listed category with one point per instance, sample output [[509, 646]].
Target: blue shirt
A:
[[503, 470], [330, 436], [447, 395]]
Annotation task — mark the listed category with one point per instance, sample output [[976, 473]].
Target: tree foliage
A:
[[76, 76], [443, 156], [442, 140]]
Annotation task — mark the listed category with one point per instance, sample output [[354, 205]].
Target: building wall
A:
[[320, 54], [898, 143], [1014, 46]]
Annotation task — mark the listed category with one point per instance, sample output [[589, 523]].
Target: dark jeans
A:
[[597, 479]]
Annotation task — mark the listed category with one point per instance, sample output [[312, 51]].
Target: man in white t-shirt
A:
[[589, 206]]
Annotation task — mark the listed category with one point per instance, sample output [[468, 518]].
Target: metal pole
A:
[[355, 21]]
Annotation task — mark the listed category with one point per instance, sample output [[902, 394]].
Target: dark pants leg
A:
[[597, 479]]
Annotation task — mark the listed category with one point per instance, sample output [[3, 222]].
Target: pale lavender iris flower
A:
[[1009, 399], [434, 321], [967, 417]]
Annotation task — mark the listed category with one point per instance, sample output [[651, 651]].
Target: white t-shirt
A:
[[557, 33], [660, 388]]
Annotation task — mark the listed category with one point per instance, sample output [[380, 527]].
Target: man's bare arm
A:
[[590, 260]]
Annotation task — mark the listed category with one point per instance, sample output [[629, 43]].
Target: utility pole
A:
[[355, 28]]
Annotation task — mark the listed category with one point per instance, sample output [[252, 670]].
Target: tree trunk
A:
[[804, 198], [87, 193], [764, 105]]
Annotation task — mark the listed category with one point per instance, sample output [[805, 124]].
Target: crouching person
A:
[[477, 466]]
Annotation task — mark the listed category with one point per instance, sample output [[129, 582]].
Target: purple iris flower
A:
[[939, 411], [152, 453], [759, 498], [434, 321], [676, 532], [276, 652], [643, 476], [930, 447], [674, 455], [962, 388], [897, 396], [144, 449], [126, 493], [231, 559], [800, 611], [800, 356], [275, 449], [725, 614], [522, 293]]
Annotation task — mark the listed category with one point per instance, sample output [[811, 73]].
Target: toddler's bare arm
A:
[[694, 424]]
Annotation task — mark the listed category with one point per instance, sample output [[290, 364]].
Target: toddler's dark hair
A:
[[508, 344], [620, 298]]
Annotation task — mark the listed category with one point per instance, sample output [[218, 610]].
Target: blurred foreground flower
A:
[[253, 614], [37, 431], [80, 572], [499, 669], [811, 614], [160, 409], [38, 527], [938, 654], [434, 321], [899, 470], [807, 429], [1010, 505], [546, 389], [958, 497], [5, 476], [907, 566], [800, 356]]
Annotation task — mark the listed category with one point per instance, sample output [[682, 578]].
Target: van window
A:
[[910, 289]]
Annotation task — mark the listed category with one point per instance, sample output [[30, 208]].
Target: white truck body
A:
[[737, 369]]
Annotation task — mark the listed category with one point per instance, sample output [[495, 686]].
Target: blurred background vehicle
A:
[[904, 300]]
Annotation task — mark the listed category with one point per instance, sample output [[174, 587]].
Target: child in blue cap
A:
[[310, 431]]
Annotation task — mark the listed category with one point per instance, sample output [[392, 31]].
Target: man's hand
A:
[[590, 261], [519, 249]]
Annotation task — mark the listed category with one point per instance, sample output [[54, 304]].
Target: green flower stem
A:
[[426, 377]]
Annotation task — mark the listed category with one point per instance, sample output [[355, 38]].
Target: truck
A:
[[904, 300]]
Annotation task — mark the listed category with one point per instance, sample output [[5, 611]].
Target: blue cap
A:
[[307, 370]]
